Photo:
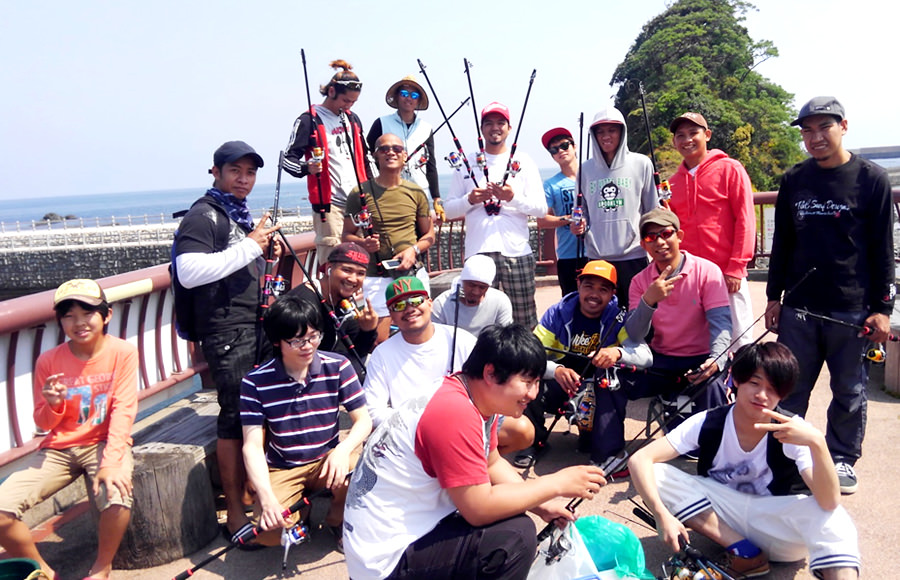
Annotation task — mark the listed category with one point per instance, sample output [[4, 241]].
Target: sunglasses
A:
[[564, 146], [651, 237], [398, 149], [351, 85], [312, 340], [409, 94], [401, 305]]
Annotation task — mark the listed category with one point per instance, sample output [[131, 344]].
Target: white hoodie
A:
[[615, 196]]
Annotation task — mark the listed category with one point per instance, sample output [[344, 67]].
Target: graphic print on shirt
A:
[[740, 476], [804, 208], [92, 395], [585, 342]]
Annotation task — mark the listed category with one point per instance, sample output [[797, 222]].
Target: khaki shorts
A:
[[47, 471]]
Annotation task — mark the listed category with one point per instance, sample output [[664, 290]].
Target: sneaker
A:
[[741, 567], [619, 460], [846, 477], [525, 458]]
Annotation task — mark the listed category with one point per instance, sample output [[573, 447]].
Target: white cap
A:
[[479, 268]]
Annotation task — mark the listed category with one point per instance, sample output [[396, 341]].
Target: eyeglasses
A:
[[351, 85], [651, 237], [312, 340], [564, 146], [409, 94], [398, 149], [401, 305]]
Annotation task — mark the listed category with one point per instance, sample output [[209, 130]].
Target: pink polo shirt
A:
[[679, 323]]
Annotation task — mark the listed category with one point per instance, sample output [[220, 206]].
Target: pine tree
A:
[[697, 56]]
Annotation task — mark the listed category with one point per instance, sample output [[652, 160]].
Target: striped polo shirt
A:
[[300, 419]]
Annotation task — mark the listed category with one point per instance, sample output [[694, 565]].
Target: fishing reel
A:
[[876, 354], [363, 219], [610, 380], [316, 155], [663, 191], [292, 536], [514, 168], [481, 160], [275, 286], [347, 310], [454, 160], [421, 161]]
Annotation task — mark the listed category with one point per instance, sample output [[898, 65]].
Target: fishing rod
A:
[[865, 330], [342, 334], [422, 144], [663, 192], [511, 169], [480, 158], [268, 288], [693, 391], [316, 154], [456, 297], [454, 161], [363, 219], [578, 210], [243, 539]]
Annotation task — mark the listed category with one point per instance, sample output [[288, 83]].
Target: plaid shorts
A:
[[516, 279]]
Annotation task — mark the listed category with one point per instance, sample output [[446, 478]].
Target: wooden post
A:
[[174, 512]]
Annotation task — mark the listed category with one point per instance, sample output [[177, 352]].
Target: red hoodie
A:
[[715, 207]]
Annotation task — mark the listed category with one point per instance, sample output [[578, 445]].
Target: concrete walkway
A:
[[875, 507]]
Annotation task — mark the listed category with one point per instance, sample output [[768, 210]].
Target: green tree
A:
[[697, 56]]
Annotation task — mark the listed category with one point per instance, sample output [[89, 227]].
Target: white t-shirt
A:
[[506, 232], [340, 164], [494, 309], [399, 371], [744, 471]]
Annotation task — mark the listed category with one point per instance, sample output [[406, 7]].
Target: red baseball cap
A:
[[552, 134], [498, 108]]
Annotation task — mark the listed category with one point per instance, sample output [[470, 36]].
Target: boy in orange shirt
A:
[[85, 393]]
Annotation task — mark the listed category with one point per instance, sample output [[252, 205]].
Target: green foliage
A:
[[697, 56]]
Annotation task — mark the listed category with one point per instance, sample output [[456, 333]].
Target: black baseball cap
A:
[[232, 151], [820, 106]]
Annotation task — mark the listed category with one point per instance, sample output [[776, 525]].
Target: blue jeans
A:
[[814, 342]]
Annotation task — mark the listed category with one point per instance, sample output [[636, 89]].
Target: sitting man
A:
[[471, 303], [341, 287], [432, 496], [414, 362], [589, 325], [751, 460], [289, 413], [85, 397], [686, 300]]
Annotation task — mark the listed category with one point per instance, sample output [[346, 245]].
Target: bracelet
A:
[[416, 249]]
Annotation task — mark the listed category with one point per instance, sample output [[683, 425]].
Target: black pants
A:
[[456, 549]]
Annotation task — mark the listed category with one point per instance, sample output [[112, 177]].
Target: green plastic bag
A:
[[613, 546]]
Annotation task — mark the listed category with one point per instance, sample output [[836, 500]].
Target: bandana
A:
[[237, 208]]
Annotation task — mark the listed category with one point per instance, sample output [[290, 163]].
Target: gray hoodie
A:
[[615, 196]]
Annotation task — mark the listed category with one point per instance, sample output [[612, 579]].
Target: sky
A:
[[120, 96]]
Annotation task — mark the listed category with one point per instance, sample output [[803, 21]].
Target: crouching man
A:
[[289, 413], [753, 462], [432, 495]]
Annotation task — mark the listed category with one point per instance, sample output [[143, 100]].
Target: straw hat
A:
[[390, 96]]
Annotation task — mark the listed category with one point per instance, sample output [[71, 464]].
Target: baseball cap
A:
[[498, 108], [661, 217], [479, 268], [349, 253], [232, 151], [552, 134], [391, 96], [80, 289], [695, 118], [404, 286], [820, 106], [600, 268]]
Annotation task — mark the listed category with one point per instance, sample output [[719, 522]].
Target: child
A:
[[85, 395], [751, 460]]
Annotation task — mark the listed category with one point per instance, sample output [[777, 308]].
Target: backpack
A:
[[185, 324]]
